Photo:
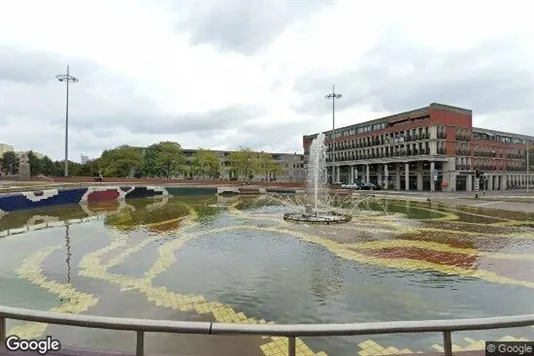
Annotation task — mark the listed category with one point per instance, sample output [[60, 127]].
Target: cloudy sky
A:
[[224, 74]]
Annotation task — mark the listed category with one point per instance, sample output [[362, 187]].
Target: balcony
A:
[[515, 156], [463, 138]]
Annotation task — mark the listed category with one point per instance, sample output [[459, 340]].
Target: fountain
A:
[[317, 202]]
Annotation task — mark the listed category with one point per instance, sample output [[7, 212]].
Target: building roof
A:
[[501, 133], [415, 112]]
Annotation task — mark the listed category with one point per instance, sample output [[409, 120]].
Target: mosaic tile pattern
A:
[[91, 266], [45, 198]]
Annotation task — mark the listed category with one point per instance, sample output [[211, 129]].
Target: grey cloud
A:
[[277, 137], [492, 77], [243, 26], [208, 123], [101, 114], [38, 67]]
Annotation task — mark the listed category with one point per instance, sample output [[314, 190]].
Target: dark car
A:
[[370, 186]]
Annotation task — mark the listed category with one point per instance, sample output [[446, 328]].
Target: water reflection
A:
[[63, 299], [326, 277], [156, 215]]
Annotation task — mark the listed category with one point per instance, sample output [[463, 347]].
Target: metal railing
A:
[[142, 326]]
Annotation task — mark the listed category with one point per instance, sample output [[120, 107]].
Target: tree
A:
[[59, 168], [10, 162], [242, 163], [267, 166], [35, 164], [120, 161], [47, 167], [164, 159], [277, 169], [205, 163], [85, 170]]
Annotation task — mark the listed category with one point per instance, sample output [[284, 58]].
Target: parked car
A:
[[370, 186], [350, 186]]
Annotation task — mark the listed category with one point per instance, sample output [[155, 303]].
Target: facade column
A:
[[490, 182], [356, 174], [469, 183], [386, 175], [503, 182], [419, 181], [397, 179], [351, 174], [406, 176], [367, 173], [333, 174], [379, 178], [432, 182]]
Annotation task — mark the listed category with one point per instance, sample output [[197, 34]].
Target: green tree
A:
[[242, 163], [119, 161], [59, 168], [35, 164], [85, 170], [267, 166], [277, 169], [205, 163], [164, 159], [171, 159], [10, 162], [47, 167]]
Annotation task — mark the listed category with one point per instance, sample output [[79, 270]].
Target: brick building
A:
[[432, 148]]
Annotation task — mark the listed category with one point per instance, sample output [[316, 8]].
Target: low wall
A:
[[160, 181], [14, 201], [45, 198]]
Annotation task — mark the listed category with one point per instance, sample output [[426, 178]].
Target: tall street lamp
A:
[[67, 78], [528, 167], [333, 96]]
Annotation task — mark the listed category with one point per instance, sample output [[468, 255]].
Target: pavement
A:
[[501, 200]]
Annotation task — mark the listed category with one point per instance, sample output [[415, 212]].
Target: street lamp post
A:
[[528, 169], [67, 78], [333, 96]]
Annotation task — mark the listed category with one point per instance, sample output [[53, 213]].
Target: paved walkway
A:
[[500, 205]]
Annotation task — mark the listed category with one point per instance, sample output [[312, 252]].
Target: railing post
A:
[[2, 330], [140, 348], [447, 343], [292, 348]]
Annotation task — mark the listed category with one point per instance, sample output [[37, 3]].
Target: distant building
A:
[[292, 165], [84, 159], [9, 148]]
